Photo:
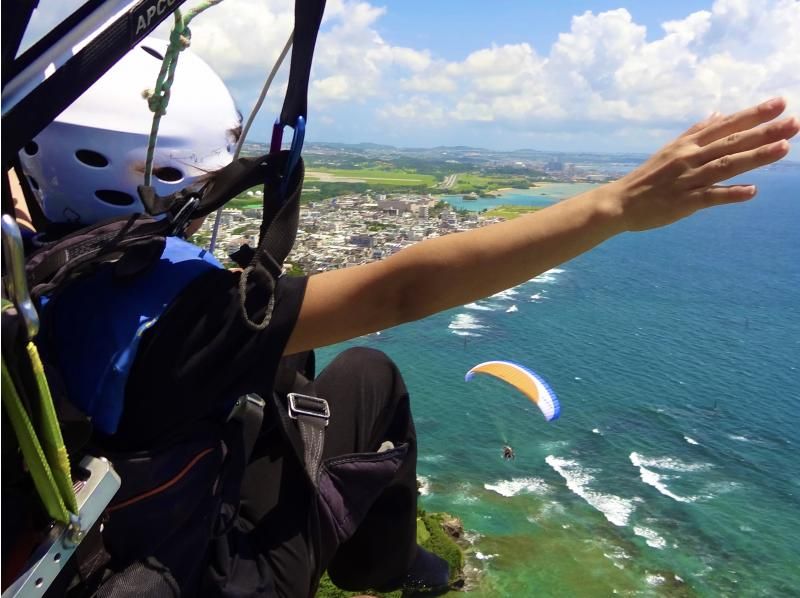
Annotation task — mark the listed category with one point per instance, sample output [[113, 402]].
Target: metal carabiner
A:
[[14, 254], [294, 150]]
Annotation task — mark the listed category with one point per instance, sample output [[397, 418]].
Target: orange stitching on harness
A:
[[163, 486]]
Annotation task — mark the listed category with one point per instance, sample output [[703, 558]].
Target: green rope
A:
[[157, 99]]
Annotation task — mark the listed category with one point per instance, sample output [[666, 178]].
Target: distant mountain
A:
[[475, 156]]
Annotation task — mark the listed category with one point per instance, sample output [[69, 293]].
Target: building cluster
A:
[[350, 229]]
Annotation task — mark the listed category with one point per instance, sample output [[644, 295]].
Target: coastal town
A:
[[364, 203], [351, 229]]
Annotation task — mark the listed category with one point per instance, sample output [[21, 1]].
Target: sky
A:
[[599, 76]]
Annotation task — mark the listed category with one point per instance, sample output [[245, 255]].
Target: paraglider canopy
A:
[[526, 381]]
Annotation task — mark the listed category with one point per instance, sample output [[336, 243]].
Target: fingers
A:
[[741, 121], [748, 140], [701, 125], [720, 195], [729, 166]]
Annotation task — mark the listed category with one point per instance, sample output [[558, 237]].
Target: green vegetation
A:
[[201, 238], [440, 543], [431, 536], [404, 176], [240, 230], [380, 179], [381, 175], [295, 270], [437, 209], [328, 190], [373, 226], [509, 212], [243, 203], [484, 183]]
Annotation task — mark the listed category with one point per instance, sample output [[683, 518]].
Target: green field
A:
[[390, 177], [477, 183], [509, 212]]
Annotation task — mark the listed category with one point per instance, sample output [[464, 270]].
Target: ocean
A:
[[673, 469]]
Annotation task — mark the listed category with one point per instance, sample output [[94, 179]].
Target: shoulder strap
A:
[[277, 236], [307, 19]]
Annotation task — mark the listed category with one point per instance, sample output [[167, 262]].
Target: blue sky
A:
[[574, 76], [453, 30]]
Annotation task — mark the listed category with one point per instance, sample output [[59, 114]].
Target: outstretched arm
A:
[[444, 272]]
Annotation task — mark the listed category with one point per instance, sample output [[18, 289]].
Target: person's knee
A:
[[369, 361], [360, 371], [369, 374]]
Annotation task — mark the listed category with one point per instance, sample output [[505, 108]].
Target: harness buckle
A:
[[184, 214], [300, 404]]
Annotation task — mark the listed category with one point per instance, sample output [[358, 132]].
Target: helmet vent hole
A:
[[91, 158], [115, 198], [152, 52], [34, 182], [31, 148], [168, 174]]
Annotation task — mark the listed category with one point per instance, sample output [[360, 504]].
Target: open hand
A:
[[683, 176]]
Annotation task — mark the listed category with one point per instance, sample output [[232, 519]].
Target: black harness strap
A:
[[16, 16], [276, 238], [18, 63], [84, 250], [38, 219], [38, 109], [307, 19]]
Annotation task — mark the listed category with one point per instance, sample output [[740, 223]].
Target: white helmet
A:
[[85, 166]]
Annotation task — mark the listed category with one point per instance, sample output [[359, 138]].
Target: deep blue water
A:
[[673, 469]]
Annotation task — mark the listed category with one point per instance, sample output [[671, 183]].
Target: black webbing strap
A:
[[279, 224], [135, 237], [312, 431], [49, 39], [249, 412], [307, 19], [7, 198], [38, 109], [38, 219], [16, 16], [277, 235]]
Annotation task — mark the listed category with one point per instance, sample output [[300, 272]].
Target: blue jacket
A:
[[93, 328]]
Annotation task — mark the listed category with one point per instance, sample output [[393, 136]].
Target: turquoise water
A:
[[543, 195], [673, 470]]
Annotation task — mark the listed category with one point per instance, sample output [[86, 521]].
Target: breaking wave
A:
[[548, 277], [516, 486], [424, 484], [651, 537], [614, 508], [479, 307], [465, 325]]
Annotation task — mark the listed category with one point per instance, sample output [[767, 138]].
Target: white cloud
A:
[[605, 71]]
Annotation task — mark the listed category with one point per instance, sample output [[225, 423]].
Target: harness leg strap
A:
[[312, 415]]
